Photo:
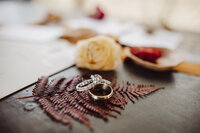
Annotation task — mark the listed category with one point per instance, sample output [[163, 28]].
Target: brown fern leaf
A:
[[49, 108], [131, 90], [81, 108], [93, 108], [112, 108], [145, 89], [113, 82], [130, 97], [60, 98], [74, 82], [128, 86], [64, 84], [121, 86], [124, 96], [89, 106], [116, 87], [71, 100], [114, 100], [76, 114], [101, 110], [67, 99], [107, 111], [121, 99], [95, 104], [55, 100], [53, 86], [84, 95], [40, 86], [120, 90]]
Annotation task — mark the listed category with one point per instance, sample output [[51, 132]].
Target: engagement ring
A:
[[90, 83]]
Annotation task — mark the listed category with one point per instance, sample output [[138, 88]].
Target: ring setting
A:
[[98, 88]]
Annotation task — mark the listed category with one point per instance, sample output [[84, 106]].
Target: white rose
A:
[[98, 53]]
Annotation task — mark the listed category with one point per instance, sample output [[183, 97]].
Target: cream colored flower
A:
[[98, 53]]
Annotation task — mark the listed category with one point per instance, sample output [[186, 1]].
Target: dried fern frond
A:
[[60, 99]]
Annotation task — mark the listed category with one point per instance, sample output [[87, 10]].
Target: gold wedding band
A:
[[101, 91]]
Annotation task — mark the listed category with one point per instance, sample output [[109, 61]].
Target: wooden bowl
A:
[[168, 61]]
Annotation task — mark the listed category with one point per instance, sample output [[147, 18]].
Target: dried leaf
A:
[[64, 84], [40, 86], [144, 89], [49, 108], [53, 86], [60, 98], [78, 115], [73, 84]]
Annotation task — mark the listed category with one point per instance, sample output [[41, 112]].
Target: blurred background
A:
[[182, 15]]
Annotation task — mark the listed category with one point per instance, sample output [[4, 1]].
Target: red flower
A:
[[150, 54], [99, 14]]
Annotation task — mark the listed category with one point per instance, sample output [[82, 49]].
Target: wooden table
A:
[[173, 109]]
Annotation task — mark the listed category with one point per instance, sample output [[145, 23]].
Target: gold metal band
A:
[[105, 97]]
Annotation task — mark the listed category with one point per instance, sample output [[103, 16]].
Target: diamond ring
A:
[[90, 83]]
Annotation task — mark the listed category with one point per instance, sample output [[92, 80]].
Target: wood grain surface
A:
[[174, 109]]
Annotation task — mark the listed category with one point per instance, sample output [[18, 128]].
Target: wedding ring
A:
[[90, 83], [101, 92]]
